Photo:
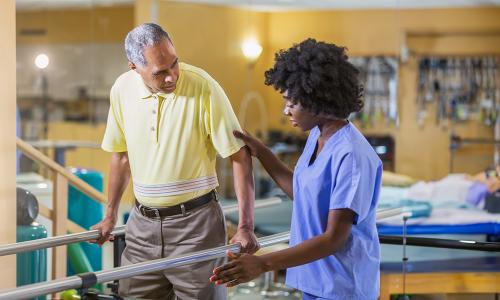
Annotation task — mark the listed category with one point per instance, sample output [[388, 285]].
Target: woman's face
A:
[[299, 116]]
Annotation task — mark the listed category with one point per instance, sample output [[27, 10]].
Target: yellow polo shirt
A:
[[171, 139]]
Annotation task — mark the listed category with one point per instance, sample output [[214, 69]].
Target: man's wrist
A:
[[246, 227], [111, 215]]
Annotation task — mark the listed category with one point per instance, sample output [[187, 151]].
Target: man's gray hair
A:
[[142, 36]]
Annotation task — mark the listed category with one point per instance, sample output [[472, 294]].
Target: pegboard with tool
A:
[[462, 88], [378, 75]]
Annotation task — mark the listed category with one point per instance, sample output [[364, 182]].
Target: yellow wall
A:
[[8, 142], [422, 153], [98, 25], [210, 37], [369, 32]]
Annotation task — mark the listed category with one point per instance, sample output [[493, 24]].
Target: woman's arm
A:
[[244, 267], [279, 172]]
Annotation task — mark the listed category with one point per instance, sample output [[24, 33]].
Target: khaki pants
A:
[[147, 239]]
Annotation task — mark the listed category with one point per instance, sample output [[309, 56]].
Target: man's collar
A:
[[152, 95], [146, 92]]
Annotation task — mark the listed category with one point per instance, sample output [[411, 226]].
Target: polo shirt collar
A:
[[147, 94], [152, 95]]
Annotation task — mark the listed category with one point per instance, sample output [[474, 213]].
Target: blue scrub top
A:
[[347, 173]]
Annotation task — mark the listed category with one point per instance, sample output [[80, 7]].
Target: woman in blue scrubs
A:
[[334, 249]]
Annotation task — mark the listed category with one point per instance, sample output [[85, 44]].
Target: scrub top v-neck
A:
[[346, 174]]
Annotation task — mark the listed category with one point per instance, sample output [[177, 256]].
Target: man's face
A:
[[161, 71]]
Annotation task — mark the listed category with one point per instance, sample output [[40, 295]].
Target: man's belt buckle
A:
[[183, 210], [144, 211]]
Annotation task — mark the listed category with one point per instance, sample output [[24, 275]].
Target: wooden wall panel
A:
[[7, 139]]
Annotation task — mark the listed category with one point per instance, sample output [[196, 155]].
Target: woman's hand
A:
[[241, 268], [252, 143]]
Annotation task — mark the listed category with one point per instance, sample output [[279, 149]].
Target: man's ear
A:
[[131, 65]]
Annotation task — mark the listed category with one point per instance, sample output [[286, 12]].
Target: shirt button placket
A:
[[154, 121]]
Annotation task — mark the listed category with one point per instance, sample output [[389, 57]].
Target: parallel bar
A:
[[441, 243], [33, 290], [94, 234], [55, 241], [163, 264], [391, 212], [274, 239], [258, 204], [120, 230]]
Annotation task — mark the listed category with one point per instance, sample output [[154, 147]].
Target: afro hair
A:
[[319, 77]]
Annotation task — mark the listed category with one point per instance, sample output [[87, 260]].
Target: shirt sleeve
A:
[[349, 192], [114, 138], [220, 122]]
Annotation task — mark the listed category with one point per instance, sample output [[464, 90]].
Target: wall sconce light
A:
[[42, 61], [251, 50]]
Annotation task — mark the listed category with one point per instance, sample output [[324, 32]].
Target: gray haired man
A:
[[167, 122]]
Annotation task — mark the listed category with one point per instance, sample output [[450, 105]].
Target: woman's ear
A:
[[131, 65]]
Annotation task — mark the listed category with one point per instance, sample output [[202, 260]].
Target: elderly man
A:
[[167, 121]]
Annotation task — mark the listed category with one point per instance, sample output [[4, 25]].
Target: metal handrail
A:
[[86, 236], [33, 290], [120, 230], [440, 243], [55, 241], [38, 289], [258, 204], [54, 286], [392, 212]]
